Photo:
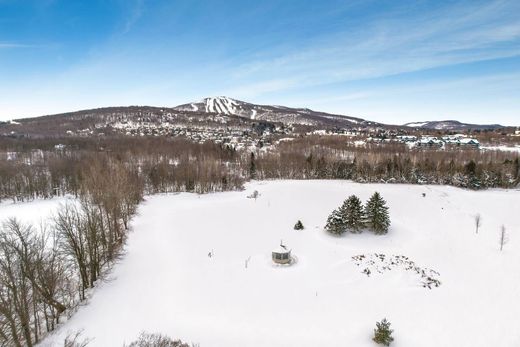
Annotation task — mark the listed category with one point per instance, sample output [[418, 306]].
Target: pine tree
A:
[[352, 214], [376, 213], [252, 166], [383, 333], [298, 225], [473, 182], [335, 223]]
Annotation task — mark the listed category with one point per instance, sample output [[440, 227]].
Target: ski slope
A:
[[168, 283], [221, 105]]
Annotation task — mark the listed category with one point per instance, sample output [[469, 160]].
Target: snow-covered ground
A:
[[168, 283], [34, 212], [501, 148]]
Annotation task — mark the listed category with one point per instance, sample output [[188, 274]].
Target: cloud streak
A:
[[7, 45], [454, 35], [135, 14]]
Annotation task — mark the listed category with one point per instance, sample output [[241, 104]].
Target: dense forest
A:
[[331, 158], [32, 168], [45, 168]]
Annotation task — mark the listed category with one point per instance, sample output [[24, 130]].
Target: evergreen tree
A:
[[252, 166], [352, 214], [376, 213], [335, 223], [298, 225], [473, 182], [383, 333], [470, 168]]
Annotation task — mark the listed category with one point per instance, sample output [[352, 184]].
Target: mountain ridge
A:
[[452, 125], [212, 112]]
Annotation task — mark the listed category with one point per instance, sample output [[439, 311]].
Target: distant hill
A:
[[452, 125], [210, 114]]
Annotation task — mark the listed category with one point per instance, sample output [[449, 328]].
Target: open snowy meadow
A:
[[199, 268]]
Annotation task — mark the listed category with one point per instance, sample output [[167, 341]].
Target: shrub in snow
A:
[[254, 195], [75, 340], [376, 213], [383, 333], [377, 263], [335, 223], [298, 225], [156, 340], [352, 214]]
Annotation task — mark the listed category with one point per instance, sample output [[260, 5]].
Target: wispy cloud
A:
[[462, 33], [15, 45], [135, 14]]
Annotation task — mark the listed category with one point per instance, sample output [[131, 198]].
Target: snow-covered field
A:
[[34, 212], [167, 283]]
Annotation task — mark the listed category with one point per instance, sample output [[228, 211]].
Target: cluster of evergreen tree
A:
[[354, 217]]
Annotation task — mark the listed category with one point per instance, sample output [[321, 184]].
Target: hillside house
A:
[[406, 138], [469, 142], [429, 142]]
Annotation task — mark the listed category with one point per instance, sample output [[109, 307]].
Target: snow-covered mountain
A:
[[210, 113], [272, 113], [451, 125]]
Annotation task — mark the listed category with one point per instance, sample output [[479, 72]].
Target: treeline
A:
[[45, 272], [331, 158], [50, 167], [42, 168]]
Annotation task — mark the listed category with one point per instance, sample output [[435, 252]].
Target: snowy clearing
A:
[[168, 283], [34, 212]]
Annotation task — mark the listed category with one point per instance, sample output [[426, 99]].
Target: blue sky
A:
[[388, 61]]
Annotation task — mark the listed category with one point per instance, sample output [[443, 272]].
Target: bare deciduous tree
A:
[[44, 273], [31, 284], [504, 238], [478, 222]]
